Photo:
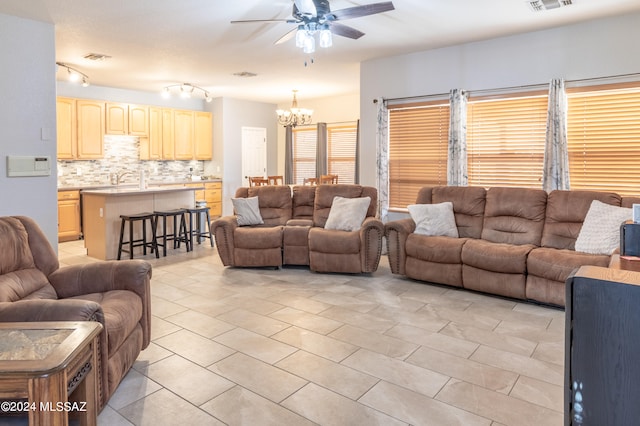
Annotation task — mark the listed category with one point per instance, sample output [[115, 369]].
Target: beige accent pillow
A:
[[247, 211], [347, 214], [600, 232], [434, 219]]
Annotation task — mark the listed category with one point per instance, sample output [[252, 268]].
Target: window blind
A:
[[304, 153], [341, 150]]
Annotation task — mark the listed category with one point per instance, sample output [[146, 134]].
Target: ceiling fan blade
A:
[[364, 10], [306, 7], [288, 36], [345, 31], [275, 21]]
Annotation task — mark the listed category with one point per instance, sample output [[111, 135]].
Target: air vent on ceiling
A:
[[540, 5], [245, 74], [96, 56]]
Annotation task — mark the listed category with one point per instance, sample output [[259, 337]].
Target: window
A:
[[506, 139], [341, 150], [603, 128], [418, 138], [304, 153]]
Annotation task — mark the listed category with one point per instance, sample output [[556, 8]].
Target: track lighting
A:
[[74, 75], [185, 90]]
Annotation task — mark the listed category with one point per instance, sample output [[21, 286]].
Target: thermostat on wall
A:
[[29, 165]]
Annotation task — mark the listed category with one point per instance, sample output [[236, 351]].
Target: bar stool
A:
[[179, 233], [198, 214], [141, 242]]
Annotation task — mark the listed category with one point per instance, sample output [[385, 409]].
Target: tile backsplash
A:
[[121, 154]]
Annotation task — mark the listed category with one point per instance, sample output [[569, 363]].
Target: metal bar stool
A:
[[179, 233], [141, 242], [197, 214]]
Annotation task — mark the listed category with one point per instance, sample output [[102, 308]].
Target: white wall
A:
[[599, 48], [27, 110]]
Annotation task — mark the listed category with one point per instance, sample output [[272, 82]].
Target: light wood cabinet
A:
[[66, 127], [213, 196], [183, 134], [90, 131], [151, 147], [138, 120], [69, 215], [203, 131], [117, 119], [168, 137]]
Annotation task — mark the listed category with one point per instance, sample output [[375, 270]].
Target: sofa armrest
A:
[[222, 230], [397, 232], [51, 310], [371, 236]]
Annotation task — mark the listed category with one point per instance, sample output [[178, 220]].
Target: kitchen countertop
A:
[[136, 190], [152, 184]]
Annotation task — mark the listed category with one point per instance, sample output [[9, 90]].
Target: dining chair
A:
[[329, 179], [310, 181], [276, 180], [258, 181]]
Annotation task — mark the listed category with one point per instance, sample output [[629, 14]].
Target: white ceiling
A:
[[154, 43]]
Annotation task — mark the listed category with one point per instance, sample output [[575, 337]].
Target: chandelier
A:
[[74, 74], [186, 90], [305, 36], [295, 116]]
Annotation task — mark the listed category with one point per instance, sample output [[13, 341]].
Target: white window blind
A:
[[304, 153], [341, 151]]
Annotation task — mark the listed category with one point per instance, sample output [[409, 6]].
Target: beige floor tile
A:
[[489, 338], [240, 407], [206, 289], [257, 323], [417, 409], [348, 302], [167, 291], [335, 377], [375, 342], [151, 354], [452, 345], [464, 369], [496, 406], [306, 320], [459, 294], [199, 323], [211, 307], [163, 308], [165, 409], [420, 319], [330, 409], [557, 325], [508, 314], [529, 332], [461, 317], [539, 310], [394, 371], [550, 352], [264, 379], [252, 304], [133, 387], [300, 300], [255, 345], [160, 327], [187, 379], [318, 344], [392, 300], [541, 370], [110, 417], [365, 321], [194, 347], [539, 393]]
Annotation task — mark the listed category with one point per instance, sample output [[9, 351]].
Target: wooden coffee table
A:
[[48, 371]]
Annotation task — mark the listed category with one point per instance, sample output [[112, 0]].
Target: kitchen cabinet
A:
[[66, 126], [212, 194], [203, 131], [80, 129], [183, 134], [138, 120], [151, 147], [69, 227], [127, 119], [168, 137]]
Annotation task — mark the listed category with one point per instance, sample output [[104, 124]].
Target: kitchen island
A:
[[101, 210]]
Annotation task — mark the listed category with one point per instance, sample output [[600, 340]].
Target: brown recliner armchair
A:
[[33, 287]]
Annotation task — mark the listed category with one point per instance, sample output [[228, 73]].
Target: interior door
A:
[[254, 153]]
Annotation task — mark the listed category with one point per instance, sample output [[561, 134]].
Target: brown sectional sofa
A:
[[513, 242], [293, 231]]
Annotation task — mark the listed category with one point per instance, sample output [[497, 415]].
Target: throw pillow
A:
[[247, 211], [600, 232], [347, 214], [434, 219]]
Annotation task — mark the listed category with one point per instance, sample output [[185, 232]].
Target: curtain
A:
[[356, 177], [556, 153], [457, 157], [321, 151], [288, 155], [382, 159]]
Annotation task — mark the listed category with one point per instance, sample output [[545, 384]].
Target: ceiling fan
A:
[[315, 17]]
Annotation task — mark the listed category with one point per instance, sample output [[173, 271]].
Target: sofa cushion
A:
[[258, 237], [600, 233], [468, 206], [275, 203], [15, 253], [247, 211], [331, 241], [326, 193], [434, 219], [347, 214], [496, 257], [25, 284], [302, 199], [556, 264], [565, 214], [437, 249]]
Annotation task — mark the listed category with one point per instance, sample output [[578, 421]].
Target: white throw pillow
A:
[[247, 211], [600, 233], [347, 214], [434, 219]]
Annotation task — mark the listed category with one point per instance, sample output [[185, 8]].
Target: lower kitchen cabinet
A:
[[212, 194], [69, 227]]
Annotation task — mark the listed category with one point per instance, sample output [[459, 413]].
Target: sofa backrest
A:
[[628, 202], [274, 201], [303, 200], [514, 215], [26, 259], [468, 207], [565, 214], [325, 194]]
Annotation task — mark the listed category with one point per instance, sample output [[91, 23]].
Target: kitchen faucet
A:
[[120, 175]]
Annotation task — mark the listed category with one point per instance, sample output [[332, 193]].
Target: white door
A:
[[254, 153]]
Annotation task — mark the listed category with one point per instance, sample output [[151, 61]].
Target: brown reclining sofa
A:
[[513, 242], [293, 231]]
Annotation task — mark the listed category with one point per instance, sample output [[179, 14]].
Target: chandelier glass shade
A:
[[185, 90], [305, 36], [294, 116]]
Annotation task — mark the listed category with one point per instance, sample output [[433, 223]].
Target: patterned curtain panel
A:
[[457, 157], [556, 153], [321, 151], [356, 177], [288, 156], [382, 141]]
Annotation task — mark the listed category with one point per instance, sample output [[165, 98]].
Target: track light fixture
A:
[[74, 74], [185, 90]]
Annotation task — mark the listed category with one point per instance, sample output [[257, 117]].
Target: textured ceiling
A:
[[154, 43]]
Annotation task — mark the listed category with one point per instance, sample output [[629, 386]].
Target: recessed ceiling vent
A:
[[540, 5], [245, 74], [96, 56]]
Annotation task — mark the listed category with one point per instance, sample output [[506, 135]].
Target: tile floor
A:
[[292, 347]]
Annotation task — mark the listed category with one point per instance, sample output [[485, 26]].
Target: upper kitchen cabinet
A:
[[183, 134], [168, 137], [203, 135], [126, 119], [138, 120], [80, 128], [151, 147]]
